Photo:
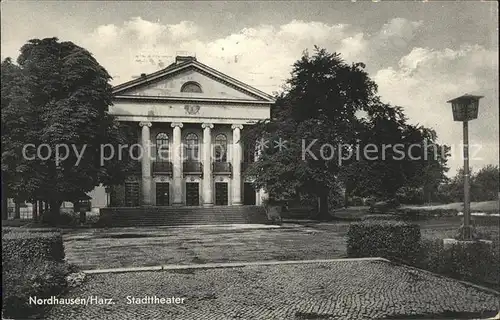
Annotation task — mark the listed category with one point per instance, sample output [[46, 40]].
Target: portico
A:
[[176, 154], [189, 121]]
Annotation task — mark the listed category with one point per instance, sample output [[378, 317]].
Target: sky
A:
[[420, 54]]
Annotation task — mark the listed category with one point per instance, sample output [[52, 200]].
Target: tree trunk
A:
[[35, 210], [17, 212], [5, 203], [346, 199], [54, 211], [324, 213], [40, 209], [76, 206]]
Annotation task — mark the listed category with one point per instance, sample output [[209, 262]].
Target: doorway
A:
[[162, 193], [132, 194], [221, 194], [192, 194]]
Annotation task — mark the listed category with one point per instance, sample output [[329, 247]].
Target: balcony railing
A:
[[163, 167], [193, 167], [136, 168], [222, 168]]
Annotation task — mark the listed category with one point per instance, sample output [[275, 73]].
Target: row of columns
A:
[[207, 183]]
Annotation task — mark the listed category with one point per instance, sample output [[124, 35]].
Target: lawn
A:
[[352, 213], [485, 206]]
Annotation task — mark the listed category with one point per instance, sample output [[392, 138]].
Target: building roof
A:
[[184, 63]]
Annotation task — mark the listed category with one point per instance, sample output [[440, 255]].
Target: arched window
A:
[[191, 86], [162, 147], [220, 148], [192, 145]]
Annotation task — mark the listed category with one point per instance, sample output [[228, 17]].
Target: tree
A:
[[318, 113], [317, 109], [58, 95], [18, 120], [486, 182], [405, 158], [484, 185]]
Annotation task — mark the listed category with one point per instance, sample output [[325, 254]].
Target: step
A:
[[156, 216]]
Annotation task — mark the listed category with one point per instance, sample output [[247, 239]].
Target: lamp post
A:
[[465, 108]]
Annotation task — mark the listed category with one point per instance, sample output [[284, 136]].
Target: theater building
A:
[[192, 117]]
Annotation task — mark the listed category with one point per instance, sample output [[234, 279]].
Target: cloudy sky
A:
[[421, 54]]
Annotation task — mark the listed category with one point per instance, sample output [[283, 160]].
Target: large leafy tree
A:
[[484, 185], [319, 111], [57, 95], [407, 156], [318, 107], [486, 182]]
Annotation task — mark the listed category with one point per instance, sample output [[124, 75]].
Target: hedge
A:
[[33, 265], [393, 240], [38, 278], [476, 262], [27, 246], [19, 229]]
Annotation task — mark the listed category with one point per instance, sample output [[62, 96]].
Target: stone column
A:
[[207, 165], [146, 163], [177, 163], [236, 164]]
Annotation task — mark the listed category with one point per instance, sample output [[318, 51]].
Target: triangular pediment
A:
[[168, 83]]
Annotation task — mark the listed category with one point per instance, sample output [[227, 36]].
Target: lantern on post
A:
[[466, 108]]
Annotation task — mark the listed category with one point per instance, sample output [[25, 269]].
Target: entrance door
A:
[[248, 194], [131, 194], [221, 194], [192, 194], [162, 193]]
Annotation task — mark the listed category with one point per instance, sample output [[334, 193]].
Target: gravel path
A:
[[333, 290]]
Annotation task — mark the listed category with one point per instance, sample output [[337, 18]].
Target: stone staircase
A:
[[174, 216]]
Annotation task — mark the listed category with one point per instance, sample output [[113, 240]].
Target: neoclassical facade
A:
[[189, 119]]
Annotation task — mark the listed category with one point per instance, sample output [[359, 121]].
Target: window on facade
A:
[[162, 147], [220, 148], [191, 87], [192, 146]]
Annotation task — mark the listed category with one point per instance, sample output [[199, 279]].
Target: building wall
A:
[[99, 197], [180, 111], [172, 87]]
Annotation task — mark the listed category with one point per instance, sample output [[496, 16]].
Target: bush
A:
[[27, 229], [356, 201], [476, 262], [422, 214], [393, 240], [69, 219], [408, 195], [26, 246], [21, 281], [381, 217], [384, 206], [32, 263]]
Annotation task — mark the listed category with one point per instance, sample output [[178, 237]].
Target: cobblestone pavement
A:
[[333, 290], [134, 247]]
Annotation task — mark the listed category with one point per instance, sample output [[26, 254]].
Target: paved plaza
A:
[[137, 247], [325, 290]]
